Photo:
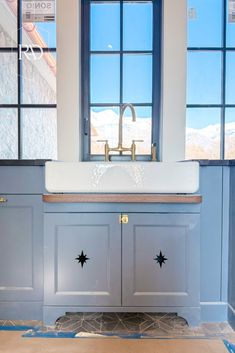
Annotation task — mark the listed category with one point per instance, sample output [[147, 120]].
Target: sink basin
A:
[[122, 177]]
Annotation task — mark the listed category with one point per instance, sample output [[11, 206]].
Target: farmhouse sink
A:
[[122, 177]]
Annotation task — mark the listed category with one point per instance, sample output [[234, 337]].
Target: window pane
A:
[[230, 35], [205, 23], [204, 78], [104, 126], [39, 135], [137, 26], [230, 78], [8, 134], [8, 77], [105, 78], [137, 78], [139, 130], [203, 133], [8, 23], [39, 78], [42, 34], [230, 133], [105, 26]]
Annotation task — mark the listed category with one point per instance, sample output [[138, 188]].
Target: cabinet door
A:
[[82, 259], [21, 249], [161, 260]]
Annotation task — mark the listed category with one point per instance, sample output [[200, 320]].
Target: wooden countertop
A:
[[122, 198]]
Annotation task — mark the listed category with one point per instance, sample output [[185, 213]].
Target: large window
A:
[[210, 131], [27, 84], [120, 64]]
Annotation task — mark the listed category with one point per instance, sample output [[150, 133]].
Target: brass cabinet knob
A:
[[3, 200]]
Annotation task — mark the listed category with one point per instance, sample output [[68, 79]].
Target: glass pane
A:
[[137, 78], [137, 26], [105, 78], [230, 78], [105, 26], [39, 133], [42, 34], [230, 27], [205, 23], [104, 126], [8, 23], [8, 134], [39, 78], [8, 77], [139, 130], [230, 133], [203, 133], [204, 78]]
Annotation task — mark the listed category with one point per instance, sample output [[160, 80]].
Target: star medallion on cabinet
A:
[[82, 258]]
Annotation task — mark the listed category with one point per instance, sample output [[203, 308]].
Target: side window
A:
[[27, 83], [120, 64], [210, 123]]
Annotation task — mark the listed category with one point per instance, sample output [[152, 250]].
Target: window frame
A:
[[223, 49], [19, 48], [86, 53]]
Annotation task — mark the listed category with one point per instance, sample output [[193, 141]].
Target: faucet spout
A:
[[123, 108]]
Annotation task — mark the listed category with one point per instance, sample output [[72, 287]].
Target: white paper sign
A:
[[231, 11], [38, 10]]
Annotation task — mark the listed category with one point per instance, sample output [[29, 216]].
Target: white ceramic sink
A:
[[122, 177]]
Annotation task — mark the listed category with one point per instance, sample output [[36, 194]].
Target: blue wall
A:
[[231, 286]]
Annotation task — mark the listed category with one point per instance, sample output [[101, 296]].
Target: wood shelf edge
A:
[[122, 198]]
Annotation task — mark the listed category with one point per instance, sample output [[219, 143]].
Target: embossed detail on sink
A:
[[122, 177]]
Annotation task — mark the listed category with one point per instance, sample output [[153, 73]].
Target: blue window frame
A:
[[121, 63], [210, 131]]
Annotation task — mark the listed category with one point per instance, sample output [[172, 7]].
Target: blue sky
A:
[[204, 68], [105, 68]]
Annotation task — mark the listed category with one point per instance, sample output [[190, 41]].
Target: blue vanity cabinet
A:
[[94, 263], [21, 257], [82, 259], [160, 260], [21, 242]]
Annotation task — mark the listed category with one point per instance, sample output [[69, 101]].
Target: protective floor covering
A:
[[13, 342]]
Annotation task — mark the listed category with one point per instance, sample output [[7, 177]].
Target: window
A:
[[210, 123], [120, 64], [27, 85]]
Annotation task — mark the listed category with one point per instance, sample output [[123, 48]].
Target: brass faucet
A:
[[120, 147]]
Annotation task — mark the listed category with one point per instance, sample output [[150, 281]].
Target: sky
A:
[[204, 69]]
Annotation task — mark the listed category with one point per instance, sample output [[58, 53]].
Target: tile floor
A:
[[152, 325]]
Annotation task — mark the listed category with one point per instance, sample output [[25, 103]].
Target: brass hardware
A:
[[123, 219], [154, 152], [3, 200], [106, 149], [133, 149], [120, 147]]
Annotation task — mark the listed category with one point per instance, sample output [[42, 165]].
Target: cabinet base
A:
[[191, 314], [21, 311]]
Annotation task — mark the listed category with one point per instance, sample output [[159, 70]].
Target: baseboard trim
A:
[[214, 311]]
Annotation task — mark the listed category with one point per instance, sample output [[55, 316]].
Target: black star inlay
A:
[[82, 259], [160, 259]]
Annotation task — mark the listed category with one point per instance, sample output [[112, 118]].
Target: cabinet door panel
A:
[[161, 260], [21, 252], [82, 259]]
